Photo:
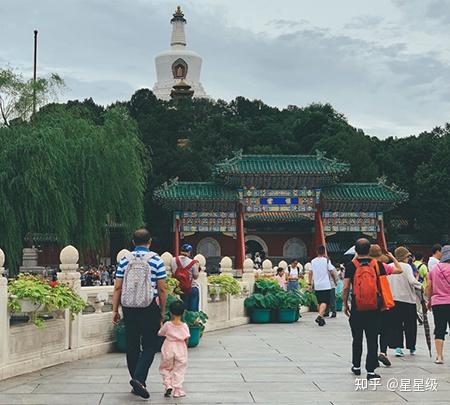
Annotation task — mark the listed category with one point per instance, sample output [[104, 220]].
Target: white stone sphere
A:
[[283, 264], [248, 264], [2, 258], [121, 255], [69, 255], [201, 260], [226, 263], [267, 264], [167, 259], [308, 267]]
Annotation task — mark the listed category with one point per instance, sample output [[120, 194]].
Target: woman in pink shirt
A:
[[438, 292], [174, 355], [281, 278]]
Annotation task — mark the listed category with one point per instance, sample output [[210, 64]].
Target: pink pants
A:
[[173, 365]]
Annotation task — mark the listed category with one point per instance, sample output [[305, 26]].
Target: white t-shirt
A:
[[432, 261], [321, 267], [294, 272]]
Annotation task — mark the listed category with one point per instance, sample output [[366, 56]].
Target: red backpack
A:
[[183, 275], [365, 286]]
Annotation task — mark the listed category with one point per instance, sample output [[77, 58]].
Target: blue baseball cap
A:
[[186, 248]]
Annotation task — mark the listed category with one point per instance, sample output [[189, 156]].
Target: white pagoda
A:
[[178, 63]]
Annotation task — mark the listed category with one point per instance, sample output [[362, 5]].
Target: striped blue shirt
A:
[[158, 270]]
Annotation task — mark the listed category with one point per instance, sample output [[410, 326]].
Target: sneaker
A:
[[373, 376], [399, 352], [168, 393], [139, 389], [321, 322], [356, 370], [382, 358], [179, 394], [412, 352], [333, 315]]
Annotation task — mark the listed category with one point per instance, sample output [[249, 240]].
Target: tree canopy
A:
[[67, 175], [217, 128]]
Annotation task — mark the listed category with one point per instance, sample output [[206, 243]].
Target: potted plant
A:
[[310, 300], [32, 294], [259, 306], [213, 292], [288, 306], [227, 284], [339, 302], [196, 321]]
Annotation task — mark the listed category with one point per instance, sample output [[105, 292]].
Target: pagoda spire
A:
[[178, 36], [181, 90]]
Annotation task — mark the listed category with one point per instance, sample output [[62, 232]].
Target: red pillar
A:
[[240, 238], [176, 238], [381, 238], [319, 235]]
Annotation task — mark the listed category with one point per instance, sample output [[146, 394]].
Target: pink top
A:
[[439, 276], [174, 333], [281, 281], [389, 268]]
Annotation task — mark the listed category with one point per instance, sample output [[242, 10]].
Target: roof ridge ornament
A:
[[320, 154], [382, 180], [238, 154]]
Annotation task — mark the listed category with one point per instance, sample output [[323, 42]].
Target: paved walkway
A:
[[265, 364]]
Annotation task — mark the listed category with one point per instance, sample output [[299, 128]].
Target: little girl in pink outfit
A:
[[174, 354]]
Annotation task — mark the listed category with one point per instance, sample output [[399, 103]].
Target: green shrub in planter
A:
[[288, 305], [260, 315], [339, 302], [287, 315], [194, 339], [259, 307], [227, 284]]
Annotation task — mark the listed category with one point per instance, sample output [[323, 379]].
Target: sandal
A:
[[437, 361]]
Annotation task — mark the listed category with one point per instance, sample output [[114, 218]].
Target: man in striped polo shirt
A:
[[141, 324]]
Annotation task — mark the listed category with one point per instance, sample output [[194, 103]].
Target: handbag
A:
[[387, 300]]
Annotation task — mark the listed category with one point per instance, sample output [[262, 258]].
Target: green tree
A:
[[18, 96], [68, 176]]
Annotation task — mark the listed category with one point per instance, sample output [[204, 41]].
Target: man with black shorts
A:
[[319, 279]]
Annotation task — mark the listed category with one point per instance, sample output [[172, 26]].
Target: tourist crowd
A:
[[384, 295], [97, 275]]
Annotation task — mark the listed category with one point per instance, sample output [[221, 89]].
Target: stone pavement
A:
[[265, 364]]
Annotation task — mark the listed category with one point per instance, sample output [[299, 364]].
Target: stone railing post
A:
[[202, 282], [70, 275], [226, 266], [201, 262], [267, 267], [283, 264], [4, 315], [167, 259], [121, 255], [248, 274]]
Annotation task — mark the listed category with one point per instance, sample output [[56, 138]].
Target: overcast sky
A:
[[385, 64]]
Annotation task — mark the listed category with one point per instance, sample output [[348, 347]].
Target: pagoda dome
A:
[[178, 63]]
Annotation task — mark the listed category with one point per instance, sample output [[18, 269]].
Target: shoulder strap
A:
[[356, 263], [191, 264], [441, 271], [178, 262]]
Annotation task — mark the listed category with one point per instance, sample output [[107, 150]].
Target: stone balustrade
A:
[[25, 348]]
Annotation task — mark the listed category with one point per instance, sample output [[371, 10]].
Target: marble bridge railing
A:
[[26, 348]]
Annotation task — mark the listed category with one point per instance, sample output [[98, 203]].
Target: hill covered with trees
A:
[[84, 161]]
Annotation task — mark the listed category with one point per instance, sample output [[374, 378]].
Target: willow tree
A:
[[65, 175]]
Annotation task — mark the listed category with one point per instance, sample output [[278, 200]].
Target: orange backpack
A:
[[365, 286]]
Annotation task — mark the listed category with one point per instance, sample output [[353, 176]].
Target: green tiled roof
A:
[[186, 190], [363, 192], [279, 217], [280, 164]]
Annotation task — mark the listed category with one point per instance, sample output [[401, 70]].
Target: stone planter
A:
[[27, 305]]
